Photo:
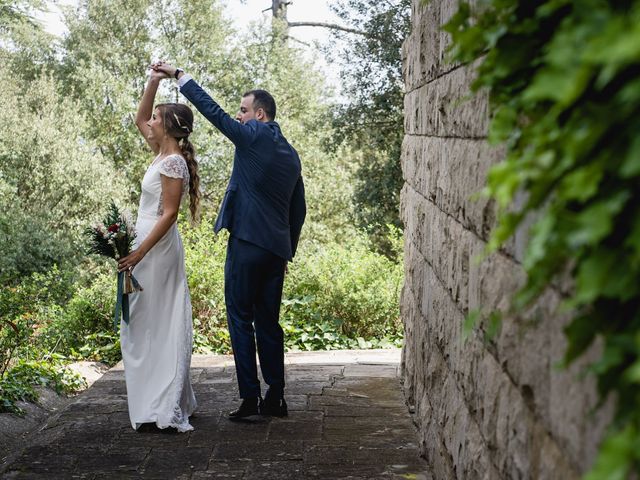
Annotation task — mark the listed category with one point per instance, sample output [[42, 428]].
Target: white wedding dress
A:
[[156, 345]]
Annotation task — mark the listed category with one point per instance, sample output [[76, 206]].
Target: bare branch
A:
[[299, 41], [331, 26]]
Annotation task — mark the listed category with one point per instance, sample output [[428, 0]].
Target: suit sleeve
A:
[[241, 135], [297, 213]]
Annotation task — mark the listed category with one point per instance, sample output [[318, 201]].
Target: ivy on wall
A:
[[564, 83]]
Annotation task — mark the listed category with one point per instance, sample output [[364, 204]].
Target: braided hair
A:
[[177, 119]]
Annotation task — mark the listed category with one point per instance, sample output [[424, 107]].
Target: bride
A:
[[157, 342]]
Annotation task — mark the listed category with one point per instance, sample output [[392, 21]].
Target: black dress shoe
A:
[[248, 407], [273, 407]]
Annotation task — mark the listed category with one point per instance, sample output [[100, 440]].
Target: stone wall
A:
[[486, 409]]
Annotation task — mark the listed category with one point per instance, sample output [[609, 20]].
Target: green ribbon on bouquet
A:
[[122, 299]]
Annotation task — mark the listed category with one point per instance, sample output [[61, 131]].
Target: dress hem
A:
[[181, 428]]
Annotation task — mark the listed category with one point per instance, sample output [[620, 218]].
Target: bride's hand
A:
[[130, 261], [167, 69], [156, 73]]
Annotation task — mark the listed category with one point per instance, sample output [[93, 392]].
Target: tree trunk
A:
[[279, 22], [281, 25], [279, 9]]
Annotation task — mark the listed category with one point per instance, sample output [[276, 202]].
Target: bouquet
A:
[[113, 238]]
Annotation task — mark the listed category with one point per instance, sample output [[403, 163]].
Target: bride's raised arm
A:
[[145, 109]]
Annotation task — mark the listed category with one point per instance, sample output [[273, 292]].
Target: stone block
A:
[[357, 455], [451, 173], [222, 469], [422, 64], [390, 371], [294, 430], [445, 108], [424, 51], [171, 461], [443, 242]]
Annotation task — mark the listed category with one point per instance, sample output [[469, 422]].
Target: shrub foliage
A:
[[336, 295]]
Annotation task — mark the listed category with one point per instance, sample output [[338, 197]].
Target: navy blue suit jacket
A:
[[264, 202]]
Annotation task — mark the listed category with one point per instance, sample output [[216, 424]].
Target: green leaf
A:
[[550, 7], [470, 322], [615, 456], [507, 225], [580, 333], [493, 325], [560, 85], [618, 43], [631, 164], [632, 374], [602, 275], [596, 221], [503, 124], [633, 241], [541, 232], [582, 183], [613, 356]]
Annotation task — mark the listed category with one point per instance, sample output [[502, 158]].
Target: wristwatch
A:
[[177, 72]]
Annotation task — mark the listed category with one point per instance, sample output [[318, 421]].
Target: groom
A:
[[263, 209]]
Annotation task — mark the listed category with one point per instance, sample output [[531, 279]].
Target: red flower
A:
[[113, 228]]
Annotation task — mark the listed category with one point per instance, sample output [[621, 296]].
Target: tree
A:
[[105, 57], [195, 36], [279, 14], [24, 45], [303, 114], [52, 180], [372, 120], [370, 125]]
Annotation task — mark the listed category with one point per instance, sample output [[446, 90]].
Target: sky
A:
[[242, 13]]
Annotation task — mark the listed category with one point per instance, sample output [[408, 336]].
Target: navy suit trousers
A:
[[253, 291]]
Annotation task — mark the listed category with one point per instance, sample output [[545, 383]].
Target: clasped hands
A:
[[162, 70]]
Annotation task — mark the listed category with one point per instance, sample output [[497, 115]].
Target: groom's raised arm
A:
[[241, 135]]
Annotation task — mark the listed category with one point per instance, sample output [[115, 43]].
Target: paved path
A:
[[347, 419]]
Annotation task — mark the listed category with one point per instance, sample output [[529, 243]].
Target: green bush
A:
[[83, 327], [53, 179], [325, 335], [337, 292], [28, 244], [18, 383], [204, 257], [24, 309], [335, 295]]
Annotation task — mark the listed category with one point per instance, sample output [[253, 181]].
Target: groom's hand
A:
[[158, 74], [164, 67]]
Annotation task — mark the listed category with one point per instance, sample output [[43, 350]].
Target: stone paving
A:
[[347, 419]]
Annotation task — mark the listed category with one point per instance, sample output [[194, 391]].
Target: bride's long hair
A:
[[177, 119]]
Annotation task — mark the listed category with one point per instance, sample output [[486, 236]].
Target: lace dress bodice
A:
[[174, 166]]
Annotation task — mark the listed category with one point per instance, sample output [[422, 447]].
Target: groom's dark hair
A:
[[263, 99]]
